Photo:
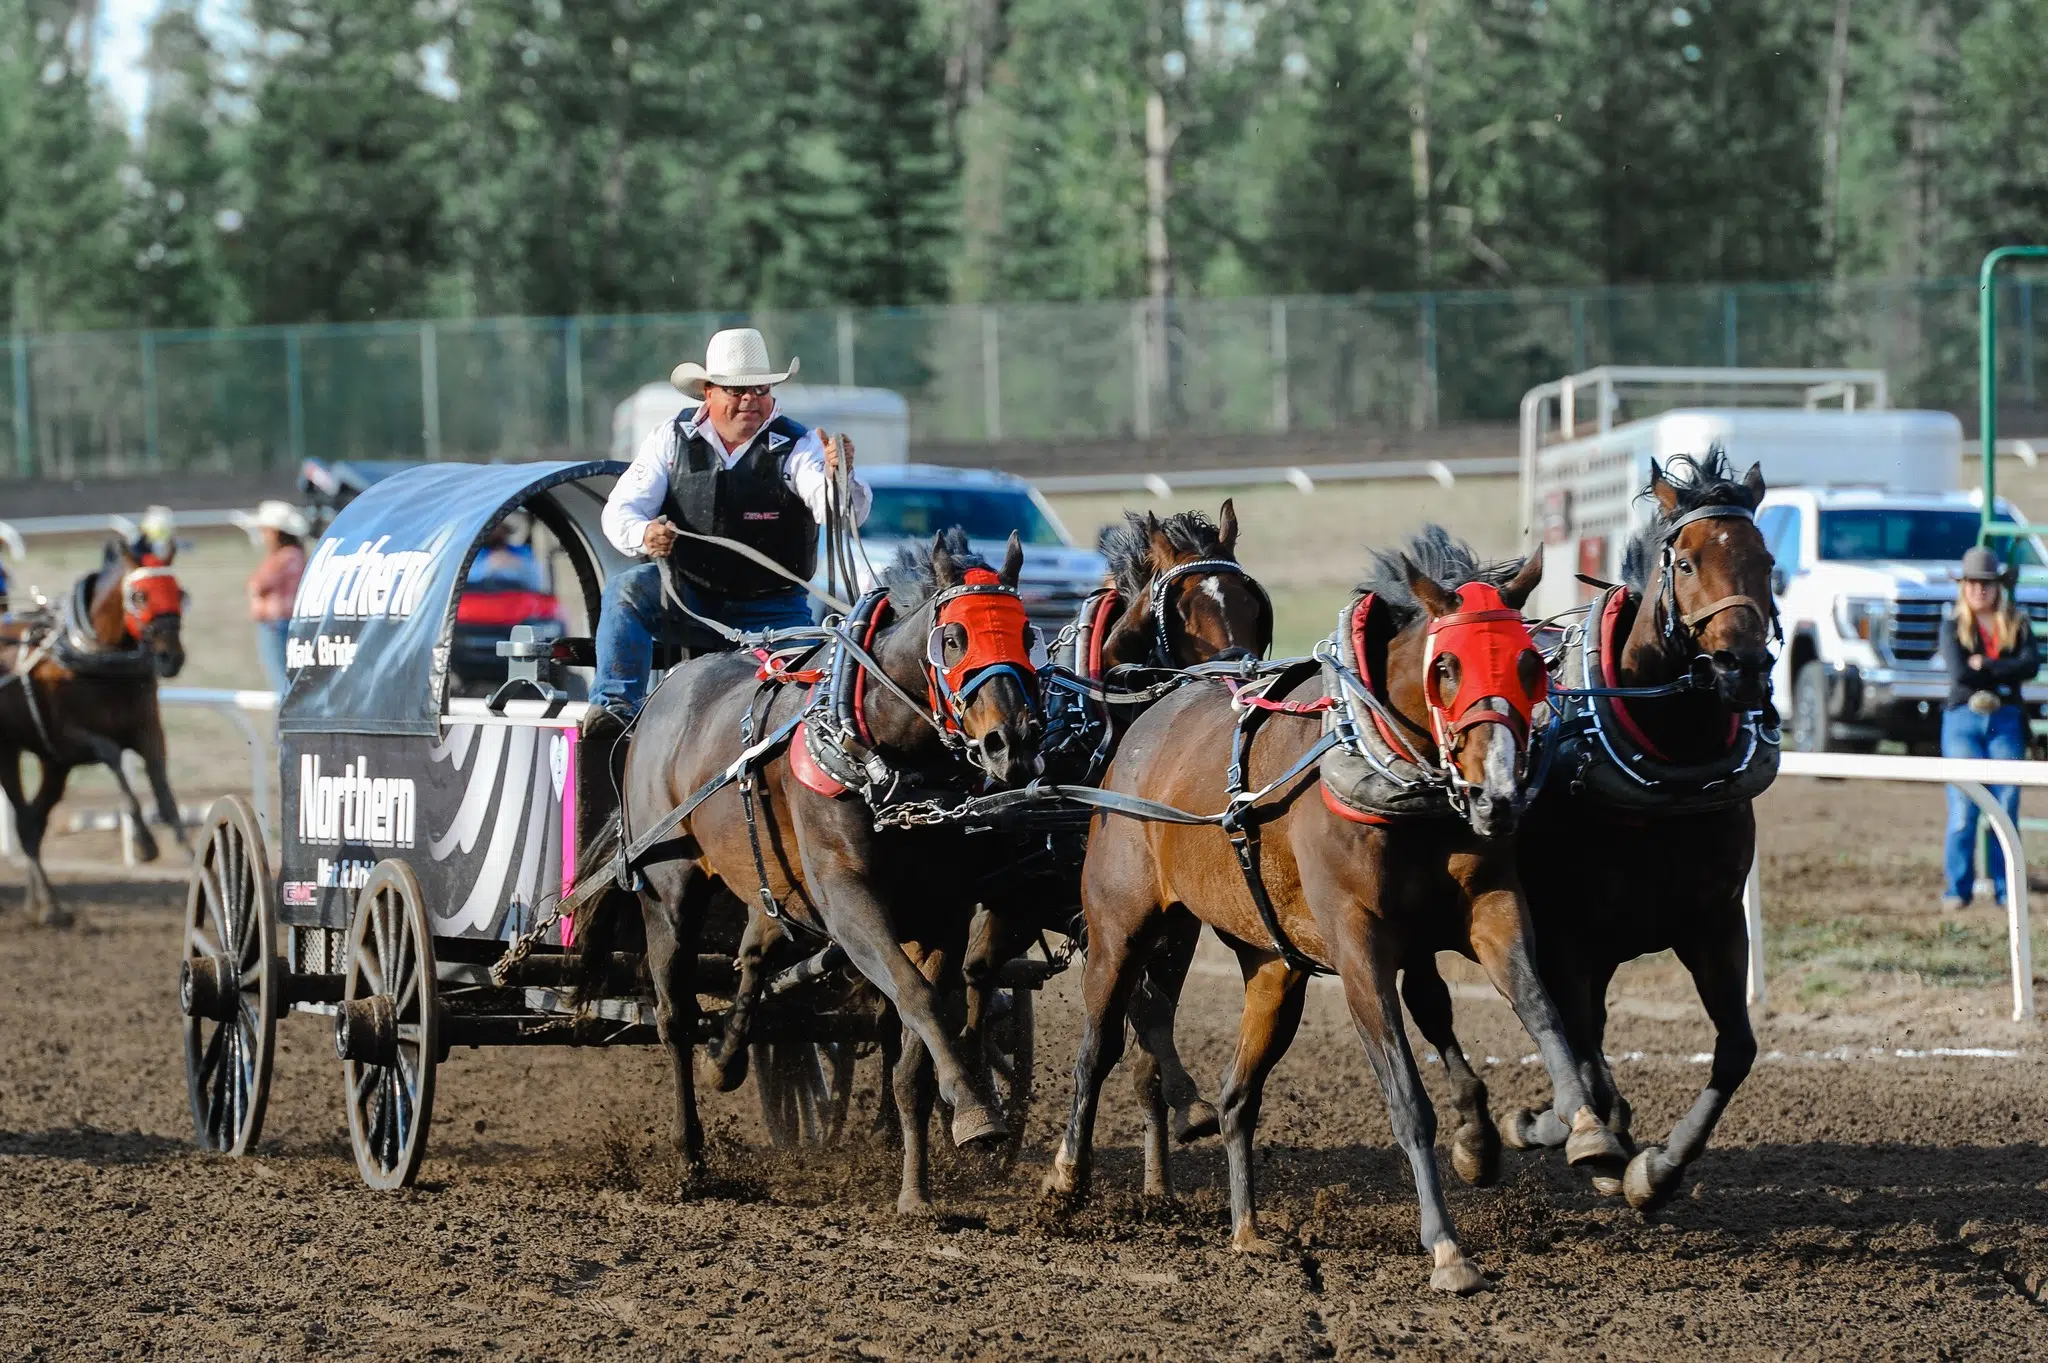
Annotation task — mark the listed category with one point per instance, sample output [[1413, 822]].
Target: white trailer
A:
[[877, 419]]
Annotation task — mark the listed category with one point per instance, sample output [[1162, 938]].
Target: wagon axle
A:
[[209, 987], [366, 1030]]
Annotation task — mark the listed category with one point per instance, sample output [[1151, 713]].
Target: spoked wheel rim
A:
[[388, 1030], [227, 984], [806, 1089]]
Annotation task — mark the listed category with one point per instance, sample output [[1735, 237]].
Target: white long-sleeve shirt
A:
[[638, 495]]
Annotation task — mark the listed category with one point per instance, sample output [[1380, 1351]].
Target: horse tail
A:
[[597, 924]]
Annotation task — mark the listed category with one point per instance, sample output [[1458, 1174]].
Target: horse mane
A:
[[1706, 480], [911, 579], [1448, 562], [1128, 547]]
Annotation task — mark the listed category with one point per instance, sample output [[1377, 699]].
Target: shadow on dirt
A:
[[91, 1145]]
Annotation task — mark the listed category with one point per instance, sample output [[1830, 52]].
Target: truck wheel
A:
[[1810, 710]]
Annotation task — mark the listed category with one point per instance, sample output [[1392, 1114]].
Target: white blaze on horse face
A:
[[1502, 777], [1213, 589]]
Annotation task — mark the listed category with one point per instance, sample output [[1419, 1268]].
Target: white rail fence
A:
[[1972, 777]]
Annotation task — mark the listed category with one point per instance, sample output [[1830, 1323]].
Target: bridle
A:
[[149, 594], [1681, 630], [1489, 640], [1162, 587], [1001, 642]]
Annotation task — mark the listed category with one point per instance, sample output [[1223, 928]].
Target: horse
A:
[[1618, 866], [78, 685], [1174, 598], [940, 689], [1433, 660]]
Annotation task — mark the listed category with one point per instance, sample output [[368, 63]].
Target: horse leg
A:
[[32, 820], [1475, 1146], [671, 907], [1501, 938], [1116, 947], [1273, 997], [1153, 1007], [1719, 967], [150, 745], [40, 902], [1370, 991], [107, 751], [723, 1065], [911, 1086], [860, 924]]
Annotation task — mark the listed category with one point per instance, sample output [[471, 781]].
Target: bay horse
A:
[[1613, 873], [1175, 598], [1452, 677], [77, 686], [951, 698]]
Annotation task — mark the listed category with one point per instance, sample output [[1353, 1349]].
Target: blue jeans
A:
[[1965, 733], [635, 615], [270, 641]]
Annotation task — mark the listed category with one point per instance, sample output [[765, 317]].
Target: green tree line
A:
[[345, 160]]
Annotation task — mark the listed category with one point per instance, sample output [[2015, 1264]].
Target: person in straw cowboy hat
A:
[[280, 528], [735, 467]]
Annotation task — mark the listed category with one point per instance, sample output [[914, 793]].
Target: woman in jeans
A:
[[1990, 654]]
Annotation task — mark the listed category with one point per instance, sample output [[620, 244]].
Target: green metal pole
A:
[[24, 451], [294, 398], [152, 451], [1987, 370]]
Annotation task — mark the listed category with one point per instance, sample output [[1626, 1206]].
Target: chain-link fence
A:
[[244, 400]]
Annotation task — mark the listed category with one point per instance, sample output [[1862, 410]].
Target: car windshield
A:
[[984, 513], [1923, 534]]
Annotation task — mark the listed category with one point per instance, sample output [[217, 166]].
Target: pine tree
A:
[[176, 227], [345, 164]]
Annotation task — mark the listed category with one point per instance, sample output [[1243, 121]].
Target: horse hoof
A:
[[1606, 1185], [915, 1204], [1475, 1155], [978, 1126], [1592, 1143], [1251, 1242], [51, 914], [1520, 1132], [1458, 1276], [1195, 1122], [1064, 1183], [1652, 1178]]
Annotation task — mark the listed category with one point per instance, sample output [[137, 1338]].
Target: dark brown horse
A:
[[1175, 599], [1607, 881], [77, 686], [1363, 900], [896, 902]]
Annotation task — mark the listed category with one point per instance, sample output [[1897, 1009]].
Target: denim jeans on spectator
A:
[[270, 641], [1965, 733], [635, 615]]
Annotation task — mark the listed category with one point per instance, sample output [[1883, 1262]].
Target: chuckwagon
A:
[[426, 838]]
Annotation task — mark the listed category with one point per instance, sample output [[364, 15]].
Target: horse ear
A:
[[1226, 522], [942, 559], [1753, 481], [1663, 489], [1013, 562], [1158, 545], [1524, 581], [1433, 597]]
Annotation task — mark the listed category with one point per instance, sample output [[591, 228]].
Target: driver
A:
[[732, 466]]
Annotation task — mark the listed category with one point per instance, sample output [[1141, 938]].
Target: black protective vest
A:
[[749, 503]]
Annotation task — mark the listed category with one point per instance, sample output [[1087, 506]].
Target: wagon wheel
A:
[[1007, 1051], [388, 1029], [805, 1090], [228, 982]]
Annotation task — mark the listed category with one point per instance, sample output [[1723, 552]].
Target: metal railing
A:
[[244, 400]]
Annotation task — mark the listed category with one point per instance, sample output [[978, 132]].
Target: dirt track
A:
[[1853, 1205]]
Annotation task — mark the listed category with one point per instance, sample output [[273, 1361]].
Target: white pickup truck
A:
[[1863, 517]]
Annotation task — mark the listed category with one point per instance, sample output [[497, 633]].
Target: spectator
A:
[[278, 527], [1990, 655]]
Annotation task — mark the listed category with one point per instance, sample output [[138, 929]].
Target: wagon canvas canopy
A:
[[375, 615]]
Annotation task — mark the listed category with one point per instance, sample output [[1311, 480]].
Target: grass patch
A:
[[1948, 951]]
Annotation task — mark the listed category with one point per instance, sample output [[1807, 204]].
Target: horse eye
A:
[[1685, 566], [956, 641]]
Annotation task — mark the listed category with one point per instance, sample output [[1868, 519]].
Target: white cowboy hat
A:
[[273, 514], [734, 359]]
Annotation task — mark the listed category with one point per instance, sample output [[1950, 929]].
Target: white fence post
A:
[[430, 390], [1282, 415], [8, 845], [845, 338], [1141, 368], [991, 377]]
